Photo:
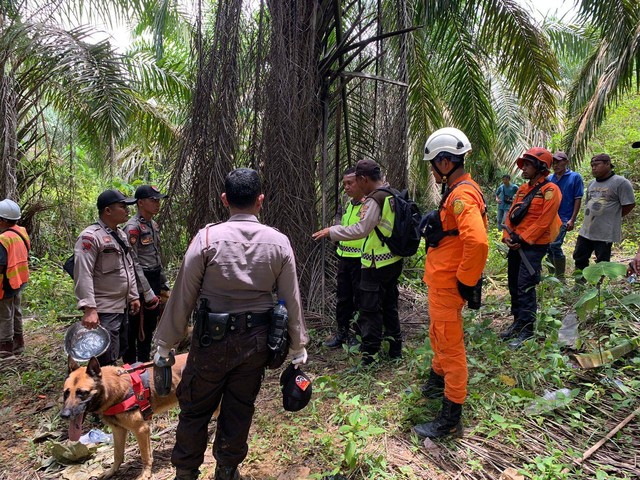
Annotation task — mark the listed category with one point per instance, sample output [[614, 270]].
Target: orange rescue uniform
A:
[[16, 242], [541, 224], [461, 258]]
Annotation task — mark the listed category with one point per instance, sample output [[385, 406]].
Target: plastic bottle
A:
[[96, 436], [554, 395], [278, 327], [549, 401]]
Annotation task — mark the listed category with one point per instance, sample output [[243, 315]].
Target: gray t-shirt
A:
[[603, 208]]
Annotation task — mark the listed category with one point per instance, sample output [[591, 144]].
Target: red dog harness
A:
[[137, 397]]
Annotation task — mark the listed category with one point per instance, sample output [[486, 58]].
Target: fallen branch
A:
[[604, 440]]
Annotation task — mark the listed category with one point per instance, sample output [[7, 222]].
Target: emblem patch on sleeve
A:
[[548, 195], [458, 206]]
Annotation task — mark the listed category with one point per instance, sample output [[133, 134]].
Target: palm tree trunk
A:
[[8, 138]]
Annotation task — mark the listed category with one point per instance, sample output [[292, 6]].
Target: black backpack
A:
[[405, 235]]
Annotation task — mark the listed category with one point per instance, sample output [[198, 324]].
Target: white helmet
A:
[[9, 210], [447, 139]]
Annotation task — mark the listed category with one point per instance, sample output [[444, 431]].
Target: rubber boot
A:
[[18, 344], [226, 472], [6, 349], [448, 422], [525, 334], [434, 388], [337, 340], [560, 265]]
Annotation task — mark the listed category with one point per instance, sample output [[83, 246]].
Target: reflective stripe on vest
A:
[[350, 248], [374, 253], [17, 271]]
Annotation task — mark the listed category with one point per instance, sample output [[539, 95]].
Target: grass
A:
[[358, 424]]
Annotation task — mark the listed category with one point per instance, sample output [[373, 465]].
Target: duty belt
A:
[[378, 258], [240, 322]]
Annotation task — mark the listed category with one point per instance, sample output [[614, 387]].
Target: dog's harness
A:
[[139, 393]]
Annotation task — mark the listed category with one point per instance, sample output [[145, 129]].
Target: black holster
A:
[[162, 376], [210, 327]]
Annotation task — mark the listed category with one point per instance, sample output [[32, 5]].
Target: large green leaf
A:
[[593, 273]]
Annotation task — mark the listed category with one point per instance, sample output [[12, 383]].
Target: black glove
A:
[[515, 238], [473, 295]]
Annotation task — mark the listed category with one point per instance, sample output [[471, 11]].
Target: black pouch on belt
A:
[[217, 325]]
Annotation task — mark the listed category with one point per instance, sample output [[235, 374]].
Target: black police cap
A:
[[296, 388], [109, 197]]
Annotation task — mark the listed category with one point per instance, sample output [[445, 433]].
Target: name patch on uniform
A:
[[106, 239], [146, 240], [548, 195], [458, 206]]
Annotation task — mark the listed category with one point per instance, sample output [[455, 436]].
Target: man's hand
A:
[[324, 233], [570, 225], [152, 304], [134, 306], [90, 319], [511, 244], [299, 356], [162, 356]]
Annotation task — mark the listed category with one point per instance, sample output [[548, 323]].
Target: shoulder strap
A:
[[114, 234], [26, 244], [535, 189]]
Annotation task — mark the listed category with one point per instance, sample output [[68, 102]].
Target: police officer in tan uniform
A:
[[103, 274], [144, 237], [230, 269]]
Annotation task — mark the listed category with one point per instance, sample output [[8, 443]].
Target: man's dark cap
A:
[[296, 388], [367, 168], [149, 191], [560, 156], [506, 176], [601, 157], [109, 197]]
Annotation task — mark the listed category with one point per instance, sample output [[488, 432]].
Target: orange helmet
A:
[[539, 156]]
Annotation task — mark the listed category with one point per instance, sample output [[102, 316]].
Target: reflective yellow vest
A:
[[374, 253], [350, 248]]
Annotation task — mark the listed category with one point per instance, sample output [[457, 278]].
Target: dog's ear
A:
[[93, 368], [72, 364]]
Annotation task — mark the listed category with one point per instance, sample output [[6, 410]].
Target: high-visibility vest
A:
[[350, 248], [374, 253], [17, 244]]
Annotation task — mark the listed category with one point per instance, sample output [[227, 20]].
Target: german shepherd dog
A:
[[93, 389]]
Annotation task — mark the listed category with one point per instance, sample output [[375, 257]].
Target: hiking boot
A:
[[434, 388], [559, 267], [447, 422], [353, 341], [337, 340], [18, 344], [6, 349], [511, 331], [226, 472], [525, 334]]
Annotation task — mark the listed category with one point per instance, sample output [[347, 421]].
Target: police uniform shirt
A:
[[144, 239], [235, 265], [103, 274]]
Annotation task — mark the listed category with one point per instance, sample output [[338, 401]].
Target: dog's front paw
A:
[[145, 475], [108, 474]]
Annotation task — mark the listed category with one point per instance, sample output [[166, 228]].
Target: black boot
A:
[[560, 265], [511, 331], [446, 423], [226, 472], [395, 349], [337, 340], [525, 334], [182, 474], [434, 388]]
